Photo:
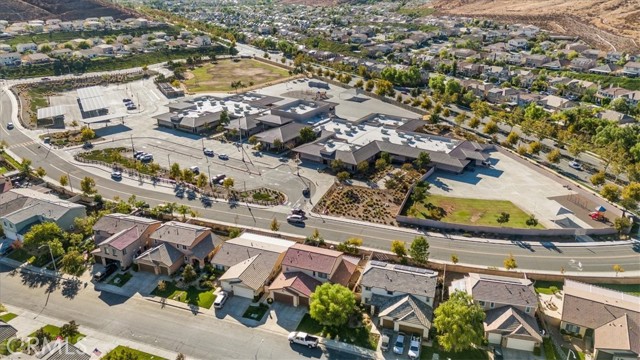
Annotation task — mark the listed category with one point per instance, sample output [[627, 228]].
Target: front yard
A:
[[8, 317], [120, 279], [54, 331], [256, 312], [192, 295], [124, 352], [475, 354], [360, 336]]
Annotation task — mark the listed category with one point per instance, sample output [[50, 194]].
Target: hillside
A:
[[23, 10], [606, 24]]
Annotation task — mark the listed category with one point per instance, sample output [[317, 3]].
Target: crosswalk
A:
[[22, 144]]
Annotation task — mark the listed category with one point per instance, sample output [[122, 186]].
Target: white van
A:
[[295, 219]]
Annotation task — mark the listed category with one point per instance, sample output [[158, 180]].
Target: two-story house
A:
[[175, 244], [21, 48], [607, 319], [517, 44], [120, 238], [555, 103], [402, 296], [10, 59], [536, 60], [582, 64], [305, 267], [250, 261], [510, 305], [632, 68]]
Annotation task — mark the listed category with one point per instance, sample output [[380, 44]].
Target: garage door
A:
[[304, 301], [147, 268], [520, 344], [410, 329], [387, 324], [242, 292], [495, 338], [283, 298], [164, 270]]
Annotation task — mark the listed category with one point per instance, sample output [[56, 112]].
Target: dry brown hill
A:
[[23, 10], [606, 24]]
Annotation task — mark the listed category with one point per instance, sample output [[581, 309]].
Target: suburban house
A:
[[609, 318], [120, 238], [60, 349], [582, 64], [250, 262], [510, 305], [10, 59], [175, 244], [616, 116], [536, 60], [402, 296], [6, 331], [632, 68], [20, 209], [554, 103], [305, 267]]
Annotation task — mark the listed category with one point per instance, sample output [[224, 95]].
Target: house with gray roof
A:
[[175, 244], [402, 296], [6, 331], [120, 238], [510, 305], [608, 319], [20, 209], [250, 262], [61, 350]]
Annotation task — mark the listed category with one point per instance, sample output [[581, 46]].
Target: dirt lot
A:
[[606, 24], [218, 77], [14, 10]]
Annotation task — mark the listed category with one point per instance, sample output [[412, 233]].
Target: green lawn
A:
[[54, 331], [19, 255], [10, 160], [8, 317], [3, 170], [117, 156], [123, 279], [218, 77], [473, 211], [359, 336], [474, 354], [543, 287], [134, 354], [192, 296], [256, 312]]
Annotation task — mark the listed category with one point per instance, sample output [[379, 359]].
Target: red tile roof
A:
[[301, 283]]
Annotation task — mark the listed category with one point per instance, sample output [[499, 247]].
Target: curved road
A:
[[582, 259]]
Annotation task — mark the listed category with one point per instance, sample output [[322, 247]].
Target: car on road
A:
[[398, 347], [137, 153], [45, 79], [10, 126], [87, 145], [103, 274], [47, 140], [218, 178], [414, 347], [208, 152], [223, 157], [575, 165], [298, 211], [295, 219], [195, 170], [220, 300], [302, 338], [306, 192], [131, 107], [126, 100], [116, 175]]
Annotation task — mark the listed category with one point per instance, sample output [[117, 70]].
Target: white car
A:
[[576, 165], [223, 157], [398, 347], [296, 219], [116, 175], [220, 300], [414, 347], [195, 170], [208, 152]]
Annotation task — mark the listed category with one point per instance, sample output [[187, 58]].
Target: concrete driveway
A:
[[234, 308], [284, 317], [512, 354]]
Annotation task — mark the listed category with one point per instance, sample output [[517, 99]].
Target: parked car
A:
[[195, 170], [296, 219], [131, 107], [137, 153], [303, 339], [116, 175], [576, 165], [398, 347], [223, 157], [47, 140], [384, 343], [298, 211], [87, 145], [306, 192], [414, 347], [146, 157], [218, 178], [220, 300], [208, 152], [10, 126], [126, 100], [497, 353], [45, 79], [108, 270]]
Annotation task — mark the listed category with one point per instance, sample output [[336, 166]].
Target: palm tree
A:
[[183, 210], [25, 166]]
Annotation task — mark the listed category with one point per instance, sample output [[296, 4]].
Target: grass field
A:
[[129, 353], [54, 331], [218, 77], [474, 211]]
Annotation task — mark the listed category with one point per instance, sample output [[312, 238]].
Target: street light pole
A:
[[55, 270], [69, 176]]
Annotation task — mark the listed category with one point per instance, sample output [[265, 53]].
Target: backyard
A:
[[192, 295], [130, 354], [468, 211], [360, 336], [544, 287], [218, 77]]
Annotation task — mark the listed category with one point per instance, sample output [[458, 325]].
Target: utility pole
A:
[[69, 176]]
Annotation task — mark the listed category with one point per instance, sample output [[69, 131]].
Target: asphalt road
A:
[[535, 257], [200, 336]]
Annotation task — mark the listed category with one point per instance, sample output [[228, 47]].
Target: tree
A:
[[598, 178], [87, 133], [69, 330], [535, 147], [224, 117], [337, 165], [490, 128], [40, 172], [202, 180], [631, 191], [253, 140], [350, 245], [42, 234], [64, 180], [73, 263], [189, 274], [187, 175], [174, 171], [610, 192], [183, 210], [503, 218], [343, 176], [277, 144], [454, 258], [307, 134], [474, 122], [88, 186], [621, 224], [25, 166], [459, 323], [617, 268], [381, 164], [423, 161], [228, 184], [181, 356], [398, 247], [275, 225], [554, 156], [419, 249], [532, 221], [512, 138], [510, 262], [332, 304], [363, 167]]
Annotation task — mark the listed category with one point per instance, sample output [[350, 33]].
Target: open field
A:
[[606, 24], [218, 77], [473, 211], [23, 10]]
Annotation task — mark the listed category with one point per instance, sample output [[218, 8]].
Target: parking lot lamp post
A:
[[55, 270]]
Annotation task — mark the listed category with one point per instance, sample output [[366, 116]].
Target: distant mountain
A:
[[24, 10]]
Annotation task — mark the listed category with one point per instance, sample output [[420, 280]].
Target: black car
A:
[[298, 211], [497, 353], [108, 270]]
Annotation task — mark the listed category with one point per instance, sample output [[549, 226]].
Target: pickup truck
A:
[[303, 339]]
